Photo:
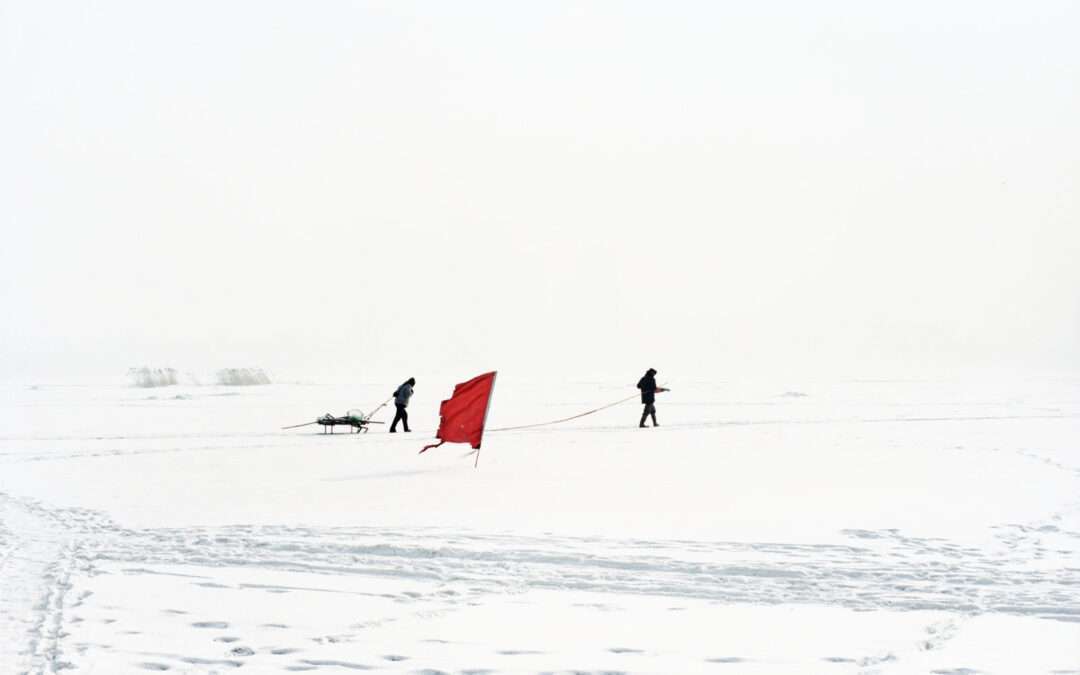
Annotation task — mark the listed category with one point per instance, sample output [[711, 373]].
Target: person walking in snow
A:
[[401, 400], [647, 385]]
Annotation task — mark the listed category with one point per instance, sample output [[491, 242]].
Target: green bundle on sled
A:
[[355, 419]]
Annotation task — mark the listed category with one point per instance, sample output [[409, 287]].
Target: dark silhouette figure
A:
[[648, 388], [401, 400]]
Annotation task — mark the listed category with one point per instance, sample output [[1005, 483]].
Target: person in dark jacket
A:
[[401, 400], [648, 388]]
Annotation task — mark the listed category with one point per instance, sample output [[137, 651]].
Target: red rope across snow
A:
[[565, 419]]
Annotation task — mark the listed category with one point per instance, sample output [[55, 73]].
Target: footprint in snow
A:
[[726, 659], [196, 661], [226, 639], [210, 624], [148, 665], [339, 664], [242, 651]]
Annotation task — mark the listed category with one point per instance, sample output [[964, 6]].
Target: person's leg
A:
[[397, 418], [405, 419], [644, 415], [652, 412]]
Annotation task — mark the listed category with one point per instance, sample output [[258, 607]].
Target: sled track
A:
[[878, 569], [45, 549], [39, 557]]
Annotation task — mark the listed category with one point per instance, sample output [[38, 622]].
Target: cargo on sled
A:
[[356, 420]]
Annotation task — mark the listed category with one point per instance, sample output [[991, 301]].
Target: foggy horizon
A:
[[383, 188]]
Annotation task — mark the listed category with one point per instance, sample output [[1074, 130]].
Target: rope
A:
[[381, 406], [301, 425], [565, 419]]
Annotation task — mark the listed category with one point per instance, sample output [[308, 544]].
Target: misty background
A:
[[398, 188]]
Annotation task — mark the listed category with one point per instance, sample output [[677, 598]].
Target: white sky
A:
[[408, 187]]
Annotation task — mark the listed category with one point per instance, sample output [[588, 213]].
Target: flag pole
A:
[[484, 423]]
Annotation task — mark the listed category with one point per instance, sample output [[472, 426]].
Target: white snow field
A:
[[787, 527]]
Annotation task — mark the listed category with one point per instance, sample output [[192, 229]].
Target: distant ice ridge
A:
[[165, 377], [153, 377], [242, 376]]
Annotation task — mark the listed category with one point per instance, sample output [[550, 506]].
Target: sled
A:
[[354, 419]]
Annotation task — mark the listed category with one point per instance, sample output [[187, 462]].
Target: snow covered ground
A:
[[806, 527]]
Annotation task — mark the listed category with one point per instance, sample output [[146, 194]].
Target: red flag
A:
[[464, 413]]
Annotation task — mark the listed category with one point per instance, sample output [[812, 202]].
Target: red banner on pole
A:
[[464, 413]]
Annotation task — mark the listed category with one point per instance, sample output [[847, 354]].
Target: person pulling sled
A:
[[401, 400]]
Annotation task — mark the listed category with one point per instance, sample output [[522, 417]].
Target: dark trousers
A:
[[400, 416], [649, 411]]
